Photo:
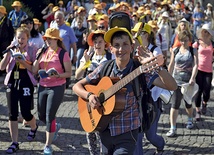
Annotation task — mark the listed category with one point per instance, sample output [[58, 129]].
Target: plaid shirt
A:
[[127, 120]]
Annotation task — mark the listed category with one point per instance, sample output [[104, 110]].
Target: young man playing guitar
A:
[[120, 134]]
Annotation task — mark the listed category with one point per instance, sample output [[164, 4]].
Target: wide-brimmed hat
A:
[[208, 28], [98, 6], [148, 12], [183, 20], [143, 27], [89, 39], [3, 10], [104, 17], [91, 17], [209, 5], [56, 8], [80, 9], [109, 33], [52, 33], [50, 4], [36, 21], [153, 24], [16, 3], [189, 91], [165, 14], [60, 2]]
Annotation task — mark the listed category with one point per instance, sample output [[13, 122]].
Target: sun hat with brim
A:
[[3, 10], [91, 17], [56, 8], [165, 14], [183, 20], [189, 92], [52, 33], [16, 3], [36, 21], [109, 33], [135, 14], [143, 27], [60, 2], [90, 36], [80, 9], [208, 28], [209, 5], [50, 4], [148, 12], [104, 17], [153, 24], [98, 6]]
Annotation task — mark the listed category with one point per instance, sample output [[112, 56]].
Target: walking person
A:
[[183, 66], [92, 58], [20, 86], [51, 89], [205, 69], [120, 135]]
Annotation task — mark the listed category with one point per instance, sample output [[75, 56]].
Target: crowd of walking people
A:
[[38, 57]]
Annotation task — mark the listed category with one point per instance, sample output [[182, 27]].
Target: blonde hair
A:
[[23, 28], [178, 28]]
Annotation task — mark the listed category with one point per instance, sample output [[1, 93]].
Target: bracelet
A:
[[89, 94]]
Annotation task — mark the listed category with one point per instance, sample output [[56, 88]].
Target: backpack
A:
[[146, 103], [120, 19], [61, 56], [190, 49]]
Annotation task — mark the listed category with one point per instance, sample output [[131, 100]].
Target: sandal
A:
[[13, 148], [31, 135]]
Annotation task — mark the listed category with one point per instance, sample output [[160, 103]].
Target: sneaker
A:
[[189, 125], [198, 116], [58, 126], [48, 150], [204, 109], [171, 133]]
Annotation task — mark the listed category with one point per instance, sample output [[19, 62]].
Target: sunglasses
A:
[[101, 27]]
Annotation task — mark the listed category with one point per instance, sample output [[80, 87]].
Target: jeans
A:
[[151, 134], [80, 52]]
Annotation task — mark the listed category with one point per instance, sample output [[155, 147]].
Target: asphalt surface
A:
[[72, 139]]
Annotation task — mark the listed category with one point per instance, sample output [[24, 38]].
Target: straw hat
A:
[[124, 4], [104, 17], [80, 9], [98, 6], [148, 12], [52, 33], [189, 91], [60, 2], [135, 14], [36, 21], [50, 4], [96, 2], [16, 3], [56, 8], [153, 24], [140, 10], [90, 36], [91, 17], [3, 10]]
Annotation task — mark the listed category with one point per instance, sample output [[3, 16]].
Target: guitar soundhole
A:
[[102, 98]]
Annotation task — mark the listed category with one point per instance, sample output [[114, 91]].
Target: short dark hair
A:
[[118, 34], [95, 36]]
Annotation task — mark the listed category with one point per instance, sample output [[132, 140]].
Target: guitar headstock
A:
[[152, 64]]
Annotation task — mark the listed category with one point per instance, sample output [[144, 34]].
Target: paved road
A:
[[72, 141]]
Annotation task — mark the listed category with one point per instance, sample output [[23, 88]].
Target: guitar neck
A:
[[124, 81]]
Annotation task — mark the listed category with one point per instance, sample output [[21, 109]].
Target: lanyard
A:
[[46, 61], [2, 20]]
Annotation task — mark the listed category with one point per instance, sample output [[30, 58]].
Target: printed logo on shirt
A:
[[26, 91]]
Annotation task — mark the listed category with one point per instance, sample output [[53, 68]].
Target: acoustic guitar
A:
[[111, 96]]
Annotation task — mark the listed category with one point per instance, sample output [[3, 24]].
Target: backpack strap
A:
[[107, 68], [176, 51], [190, 49], [153, 48], [61, 56]]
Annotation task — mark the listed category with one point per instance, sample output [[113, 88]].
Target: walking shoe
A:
[[189, 124], [58, 126], [171, 133], [48, 150], [198, 116], [204, 109]]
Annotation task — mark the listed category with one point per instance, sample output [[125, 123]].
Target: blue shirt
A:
[[16, 17], [67, 34]]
